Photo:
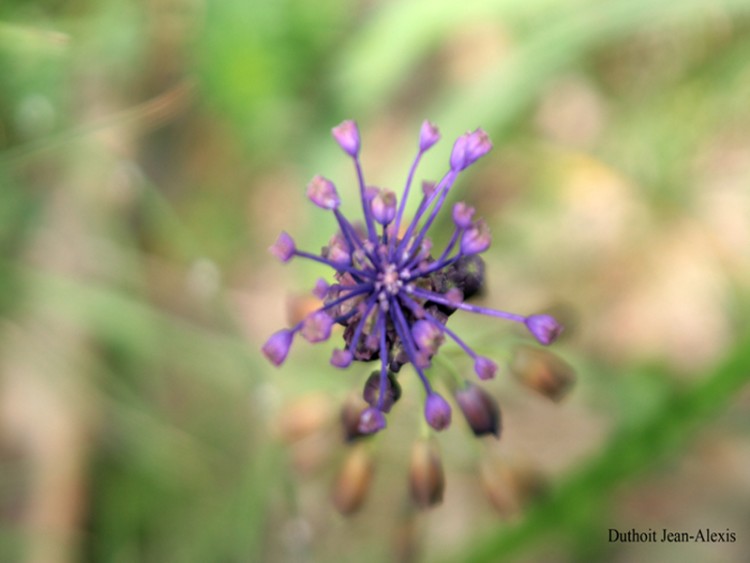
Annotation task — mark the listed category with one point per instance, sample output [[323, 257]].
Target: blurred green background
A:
[[151, 151]]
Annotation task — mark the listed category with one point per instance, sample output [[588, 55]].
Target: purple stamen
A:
[[341, 267], [383, 362], [402, 328], [437, 298]]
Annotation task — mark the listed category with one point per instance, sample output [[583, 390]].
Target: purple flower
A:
[[390, 294], [544, 328]]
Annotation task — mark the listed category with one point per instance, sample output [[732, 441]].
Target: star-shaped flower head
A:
[[390, 294]]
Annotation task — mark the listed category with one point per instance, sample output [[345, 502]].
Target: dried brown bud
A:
[[510, 485], [480, 409], [426, 478], [542, 371], [353, 481], [304, 416]]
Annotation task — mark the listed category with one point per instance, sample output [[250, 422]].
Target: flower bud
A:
[[468, 275], [476, 239], [480, 410], [277, 346], [437, 412], [371, 421], [426, 477], [428, 188], [353, 481], [371, 392], [351, 411], [317, 327], [469, 148], [383, 206], [542, 371], [485, 368], [321, 288], [337, 250], [341, 358], [458, 154], [478, 145], [427, 336], [347, 136], [462, 215], [323, 193], [428, 135], [283, 248], [544, 328]]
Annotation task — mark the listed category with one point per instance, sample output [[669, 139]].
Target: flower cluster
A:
[[391, 295]]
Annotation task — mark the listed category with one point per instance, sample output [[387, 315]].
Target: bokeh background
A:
[[151, 151]]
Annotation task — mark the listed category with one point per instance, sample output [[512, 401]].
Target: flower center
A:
[[389, 280]]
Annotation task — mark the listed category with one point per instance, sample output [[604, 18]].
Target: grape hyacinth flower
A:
[[391, 295]]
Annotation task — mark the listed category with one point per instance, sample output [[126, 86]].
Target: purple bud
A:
[[347, 136], [478, 145], [428, 136], [485, 368], [544, 328], [371, 420], [462, 215], [437, 412], [317, 327], [480, 410], [428, 188], [371, 392], [321, 289], [341, 358], [383, 206], [337, 250], [469, 148], [427, 336], [283, 248], [277, 346], [323, 193], [458, 154], [476, 239]]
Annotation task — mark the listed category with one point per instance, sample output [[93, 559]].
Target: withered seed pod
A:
[[542, 371], [353, 481], [426, 478]]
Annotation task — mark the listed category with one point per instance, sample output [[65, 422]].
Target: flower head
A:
[[390, 293]]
